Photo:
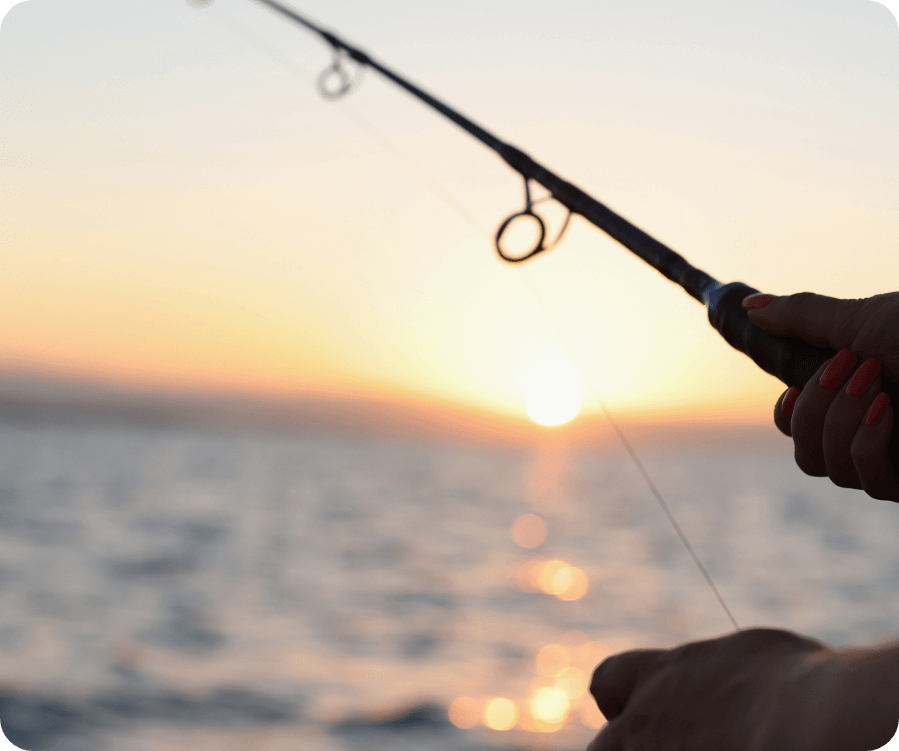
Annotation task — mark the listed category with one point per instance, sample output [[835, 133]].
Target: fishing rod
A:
[[792, 361]]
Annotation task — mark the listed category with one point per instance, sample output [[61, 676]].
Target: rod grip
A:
[[792, 361]]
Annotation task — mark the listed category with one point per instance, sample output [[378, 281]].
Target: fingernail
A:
[[756, 301], [876, 410], [863, 377], [838, 369], [789, 402]]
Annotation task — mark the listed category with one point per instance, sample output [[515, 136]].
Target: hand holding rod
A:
[[792, 361]]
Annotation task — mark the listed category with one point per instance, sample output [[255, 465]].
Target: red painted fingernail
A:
[[863, 377], [838, 369], [756, 301], [876, 410], [789, 402]]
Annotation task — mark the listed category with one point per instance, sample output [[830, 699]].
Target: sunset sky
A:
[[181, 209]]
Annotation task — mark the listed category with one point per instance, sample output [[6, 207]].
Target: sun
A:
[[553, 396]]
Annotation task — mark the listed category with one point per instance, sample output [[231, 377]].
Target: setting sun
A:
[[553, 396]]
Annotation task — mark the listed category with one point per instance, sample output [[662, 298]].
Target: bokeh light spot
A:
[[529, 531], [550, 705], [527, 574], [548, 573], [570, 583], [573, 681], [500, 714], [464, 712]]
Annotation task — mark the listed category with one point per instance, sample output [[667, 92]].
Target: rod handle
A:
[[792, 361]]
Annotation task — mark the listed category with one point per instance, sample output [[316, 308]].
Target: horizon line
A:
[[33, 395]]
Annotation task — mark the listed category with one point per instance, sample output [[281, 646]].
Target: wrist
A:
[[800, 708], [865, 709]]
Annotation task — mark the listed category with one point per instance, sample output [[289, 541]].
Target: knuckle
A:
[[869, 472], [842, 480], [802, 298], [804, 303], [838, 479], [875, 479], [810, 465], [877, 493], [880, 490], [852, 312]]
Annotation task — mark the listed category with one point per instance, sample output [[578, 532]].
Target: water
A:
[[171, 589]]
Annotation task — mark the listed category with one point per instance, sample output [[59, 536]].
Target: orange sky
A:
[[181, 209]]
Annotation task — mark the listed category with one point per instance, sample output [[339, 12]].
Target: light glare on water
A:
[[219, 585]]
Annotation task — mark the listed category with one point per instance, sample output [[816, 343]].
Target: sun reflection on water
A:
[[500, 714], [558, 693], [553, 577], [556, 697]]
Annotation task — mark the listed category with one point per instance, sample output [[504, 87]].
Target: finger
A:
[[616, 677], [845, 416], [869, 453], [810, 412], [817, 319], [783, 410]]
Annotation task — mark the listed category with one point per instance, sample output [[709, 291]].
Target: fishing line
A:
[[448, 199], [627, 444]]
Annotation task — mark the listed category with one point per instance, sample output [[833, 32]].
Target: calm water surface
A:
[[172, 589]]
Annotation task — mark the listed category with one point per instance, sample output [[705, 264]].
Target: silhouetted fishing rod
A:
[[791, 360]]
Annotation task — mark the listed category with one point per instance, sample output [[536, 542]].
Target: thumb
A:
[[817, 319], [616, 677]]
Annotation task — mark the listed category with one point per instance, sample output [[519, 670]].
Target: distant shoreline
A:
[[32, 398]]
